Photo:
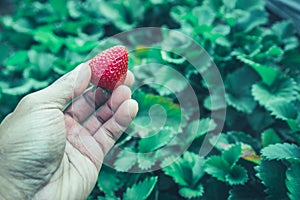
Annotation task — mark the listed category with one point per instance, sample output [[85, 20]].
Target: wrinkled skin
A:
[[51, 151]]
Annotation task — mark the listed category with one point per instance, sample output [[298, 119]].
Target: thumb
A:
[[69, 86]]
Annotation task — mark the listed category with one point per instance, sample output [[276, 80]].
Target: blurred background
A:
[[255, 46]]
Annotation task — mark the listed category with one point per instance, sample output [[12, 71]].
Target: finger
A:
[[91, 100], [111, 130], [119, 95], [129, 78], [69, 86], [86, 104]]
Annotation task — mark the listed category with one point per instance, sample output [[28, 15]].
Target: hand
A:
[[49, 152]]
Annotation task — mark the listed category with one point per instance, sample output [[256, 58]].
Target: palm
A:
[[64, 153]]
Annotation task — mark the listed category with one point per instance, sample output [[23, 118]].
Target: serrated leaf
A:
[[217, 167], [125, 161], [272, 174], [156, 113], [186, 171], [293, 181], [284, 151], [140, 190], [283, 89], [191, 193], [282, 109], [108, 182], [238, 86], [269, 137], [146, 161], [237, 176], [268, 74], [156, 140], [232, 155], [147, 74], [198, 128]]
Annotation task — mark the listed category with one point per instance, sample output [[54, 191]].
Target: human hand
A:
[[49, 152]]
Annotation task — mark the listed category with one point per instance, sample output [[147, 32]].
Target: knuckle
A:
[[110, 136], [29, 99]]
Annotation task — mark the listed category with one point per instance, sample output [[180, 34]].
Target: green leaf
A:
[[43, 63], [167, 56], [283, 29], [17, 58], [140, 190], [238, 86], [268, 74], [108, 182], [50, 40], [250, 20], [252, 190], [269, 137], [186, 171], [249, 154], [283, 89], [26, 87], [249, 5], [274, 51], [163, 83], [60, 7], [284, 151], [80, 45], [198, 128], [215, 190], [282, 109], [155, 113], [125, 161], [156, 140], [232, 155], [191, 193], [204, 14], [230, 3], [293, 181], [146, 161], [272, 174], [237, 176], [217, 167]]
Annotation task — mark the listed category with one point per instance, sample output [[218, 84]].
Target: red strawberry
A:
[[109, 67]]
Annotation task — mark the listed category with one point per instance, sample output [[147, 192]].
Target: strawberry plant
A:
[[257, 154]]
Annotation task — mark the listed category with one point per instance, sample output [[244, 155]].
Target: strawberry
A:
[[109, 67]]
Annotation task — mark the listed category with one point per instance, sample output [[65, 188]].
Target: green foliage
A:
[[293, 180], [257, 155], [224, 167], [281, 152], [187, 172], [140, 190]]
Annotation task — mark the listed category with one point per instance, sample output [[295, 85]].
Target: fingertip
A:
[[126, 112], [133, 108], [129, 78]]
